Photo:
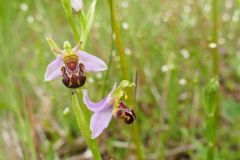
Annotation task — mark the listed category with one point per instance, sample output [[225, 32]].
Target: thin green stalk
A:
[[211, 120], [213, 114], [84, 127], [136, 135], [74, 28], [125, 70], [89, 22], [215, 54], [118, 40], [215, 37], [86, 112], [82, 21]]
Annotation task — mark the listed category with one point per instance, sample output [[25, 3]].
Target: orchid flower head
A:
[[111, 105], [72, 64]]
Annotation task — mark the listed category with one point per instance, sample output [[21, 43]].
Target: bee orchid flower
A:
[[72, 64], [111, 105]]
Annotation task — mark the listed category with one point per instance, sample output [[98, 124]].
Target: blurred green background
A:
[[167, 42]]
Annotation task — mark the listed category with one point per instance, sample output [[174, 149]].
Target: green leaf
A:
[[83, 23], [90, 18], [84, 127], [67, 7]]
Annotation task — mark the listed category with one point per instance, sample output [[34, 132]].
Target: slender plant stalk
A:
[[211, 120], [74, 28], [125, 70], [82, 23], [84, 127], [214, 103], [215, 37], [118, 40], [136, 134]]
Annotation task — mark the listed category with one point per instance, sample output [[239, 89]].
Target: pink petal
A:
[[100, 121], [54, 69], [92, 63], [98, 106]]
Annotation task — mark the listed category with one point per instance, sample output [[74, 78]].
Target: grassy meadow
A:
[[182, 55]]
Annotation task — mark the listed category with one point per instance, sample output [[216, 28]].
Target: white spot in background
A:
[[90, 80], [66, 111], [221, 41], [87, 154], [128, 51], [185, 53], [167, 15], [183, 96], [229, 4], [187, 8], [125, 4], [125, 25], [225, 17], [30, 19], [24, 7], [114, 36], [165, 68], [99, 75], [207, 7], [235, 17], [182, 81], [212, 45]]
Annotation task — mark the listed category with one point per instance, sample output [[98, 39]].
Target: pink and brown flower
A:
[[71, 65]]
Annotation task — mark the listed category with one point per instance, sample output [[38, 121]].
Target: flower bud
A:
[[76, 5]]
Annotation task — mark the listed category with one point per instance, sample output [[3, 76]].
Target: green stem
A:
[[136, 135], [74, 28], [211, 92], [118, 40], [215, 37], [214, 115], [83, 25], [84, 127], [81, 15]]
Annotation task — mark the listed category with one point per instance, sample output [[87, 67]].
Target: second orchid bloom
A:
[[111, 105]]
